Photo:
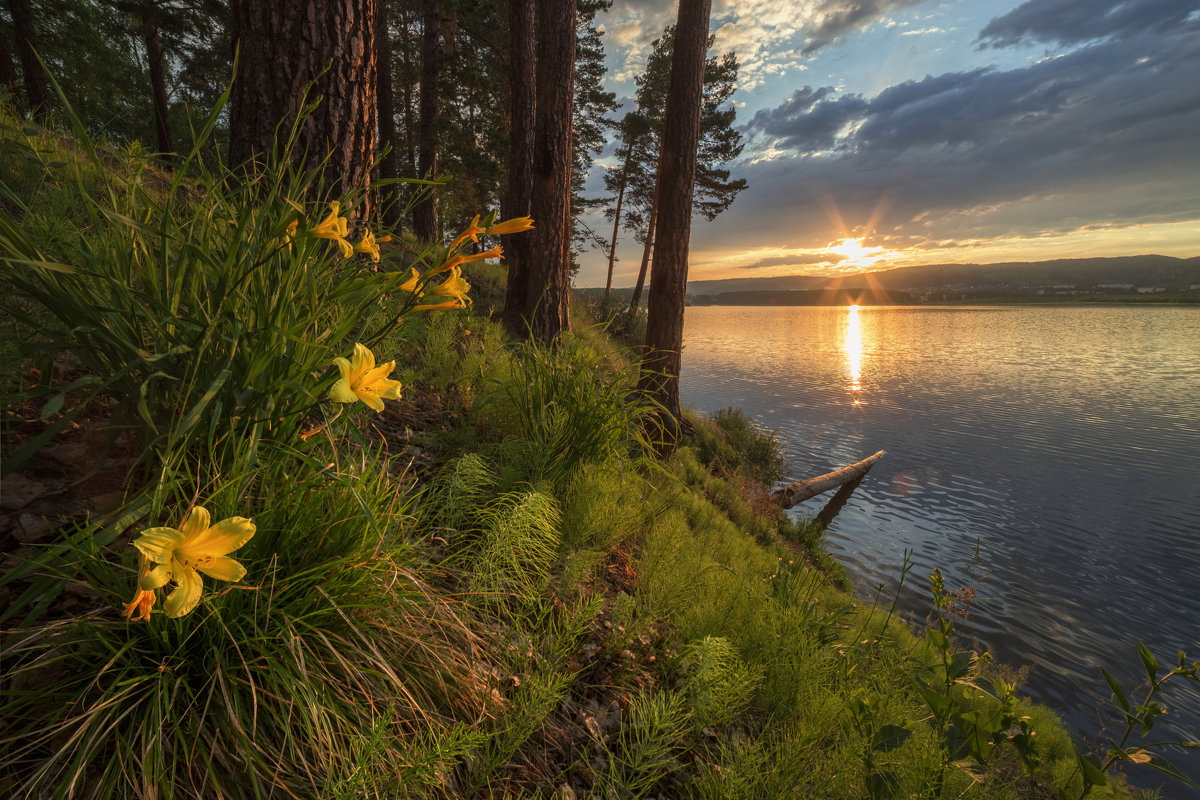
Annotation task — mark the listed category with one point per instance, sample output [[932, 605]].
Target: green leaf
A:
[[1092, 775], [1118, 693], [52, 406], [1148, 659], [1167, 768]]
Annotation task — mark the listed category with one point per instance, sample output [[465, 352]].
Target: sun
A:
[[855, 254]]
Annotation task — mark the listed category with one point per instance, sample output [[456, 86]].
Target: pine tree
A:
[[640, 136], [674, 206], [285, 45]]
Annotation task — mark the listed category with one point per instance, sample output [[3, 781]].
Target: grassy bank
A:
[[489, 588]]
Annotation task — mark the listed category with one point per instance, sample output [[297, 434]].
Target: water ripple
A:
[[1049, 457]]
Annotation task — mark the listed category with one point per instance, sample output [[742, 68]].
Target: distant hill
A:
[[1167, 272]]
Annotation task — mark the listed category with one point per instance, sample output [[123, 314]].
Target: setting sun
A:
[[855, 254]]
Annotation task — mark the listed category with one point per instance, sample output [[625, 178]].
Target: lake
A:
[[1047, 456]]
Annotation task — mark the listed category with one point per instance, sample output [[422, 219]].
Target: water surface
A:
[[1047, 456]]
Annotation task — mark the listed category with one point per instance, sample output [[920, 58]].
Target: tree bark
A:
[[647, 247], [518, 195], [284, 46], [800, 491], [37, 89], [425, 221], [8, 75], [549, 273], [158, 80], [389, 196], [675, 185]]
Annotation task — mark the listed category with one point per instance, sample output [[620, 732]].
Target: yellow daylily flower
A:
[[457, 260], [143, 599], [362, 380], [454, 287], [472, 232], [411, 284], [181, 555], [514, 225], [370, 245], [334, 228]]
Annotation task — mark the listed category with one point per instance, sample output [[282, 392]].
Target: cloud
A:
[[770, 37], [1076, 21], [1102, 135], [795, 260]]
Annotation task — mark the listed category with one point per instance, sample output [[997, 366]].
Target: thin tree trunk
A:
[[612, 246], [425, 221], [389, 196], [647, 248], [549, 273], [410, 128], [37, 90], [158, 80], [518, 195], [284, 46], [8, 75], [676, 183]]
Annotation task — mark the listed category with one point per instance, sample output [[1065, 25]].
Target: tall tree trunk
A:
[[518, 194], [549, 274], [8, 75], [647, 247], [389, 196], [284, 46], [158, 80], [425, 221], [676, 179], [37, 90]]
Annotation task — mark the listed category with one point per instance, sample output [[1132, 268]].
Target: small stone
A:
[[17, 491], [106, 501], [31, 528]]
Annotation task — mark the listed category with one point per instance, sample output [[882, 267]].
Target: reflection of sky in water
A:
[[1050, 457]]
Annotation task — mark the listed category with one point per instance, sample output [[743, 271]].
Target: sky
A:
[[885, 133]]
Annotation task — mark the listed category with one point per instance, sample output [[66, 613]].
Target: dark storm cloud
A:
[[1105, 134], [1075, 21], [809, 120]]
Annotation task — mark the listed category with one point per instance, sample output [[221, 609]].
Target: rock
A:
[[31, 528], [17, 491]]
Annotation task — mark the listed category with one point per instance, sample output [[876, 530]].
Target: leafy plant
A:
[[1140, 719]]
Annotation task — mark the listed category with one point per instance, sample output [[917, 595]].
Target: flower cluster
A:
[[336, 228], [179, 556]]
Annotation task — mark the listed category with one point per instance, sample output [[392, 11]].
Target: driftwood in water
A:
[[800, 491]]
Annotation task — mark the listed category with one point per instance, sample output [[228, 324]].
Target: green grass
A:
[[536, 603]]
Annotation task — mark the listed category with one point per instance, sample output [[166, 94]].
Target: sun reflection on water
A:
[[852, 346]]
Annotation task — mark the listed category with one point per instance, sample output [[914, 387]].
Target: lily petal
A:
[[341, 392], [156, 578], [363, 360], [223, 568], [186, 595], [197, 522], [223, 538], [157, 544]]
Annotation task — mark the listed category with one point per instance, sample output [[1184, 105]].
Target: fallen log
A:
[[800, 491]]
